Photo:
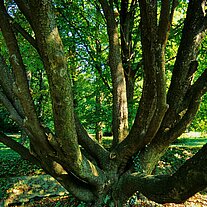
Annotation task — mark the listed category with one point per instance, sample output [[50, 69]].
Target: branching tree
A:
[[82, 165]]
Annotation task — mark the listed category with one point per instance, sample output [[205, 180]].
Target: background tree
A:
[[169, 100]]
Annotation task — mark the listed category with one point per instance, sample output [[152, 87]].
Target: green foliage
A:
[[6, 123], [83, 32], [200, 121], [87, 51]]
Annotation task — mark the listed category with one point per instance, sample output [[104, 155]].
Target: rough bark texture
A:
[[127, 14], [120, 123], [81, 164], [182, 108]]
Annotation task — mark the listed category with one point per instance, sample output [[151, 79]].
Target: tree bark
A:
[[180, 114], [177, 188], [127, 14], [81, 164], [120, 109]]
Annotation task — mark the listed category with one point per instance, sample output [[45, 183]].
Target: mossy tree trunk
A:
[[82, 165]]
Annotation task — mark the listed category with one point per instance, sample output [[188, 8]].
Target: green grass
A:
[[191, 142], [11, 163]]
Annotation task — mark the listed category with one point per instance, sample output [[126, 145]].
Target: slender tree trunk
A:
[[99, 132], [40, 108], [127, 13], [120, 108]]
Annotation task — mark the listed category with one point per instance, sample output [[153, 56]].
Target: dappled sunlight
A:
[[6, 148], [139, 200], [26, 188], [132, 73], [93, 169], [58, 168], [43, 188]]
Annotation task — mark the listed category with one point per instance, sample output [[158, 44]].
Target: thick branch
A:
[[191, 106], [166, 135], [198, 88], [149, 46], [164, 23], [120, 109], [185, 121], [52, 53], [11, 109], [24, 7], [6, 78], [20, 149], [127, 19], [192, 36], [76, 187], [21, 87], [51, 50], [166, 18], [189, 179], [91, 145], [8, 97], [183, 101], [80, 190], [152, 105]]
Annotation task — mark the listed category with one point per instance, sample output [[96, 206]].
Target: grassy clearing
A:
[[190, 142]]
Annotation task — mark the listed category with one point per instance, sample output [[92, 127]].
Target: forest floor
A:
[[23, 184]]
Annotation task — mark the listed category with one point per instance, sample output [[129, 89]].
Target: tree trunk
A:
[[81, 164], [99, 133], [120, 108], [127, 14], [40, 108]]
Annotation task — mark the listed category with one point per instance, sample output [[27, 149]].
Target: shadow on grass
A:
[[26, 188]]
